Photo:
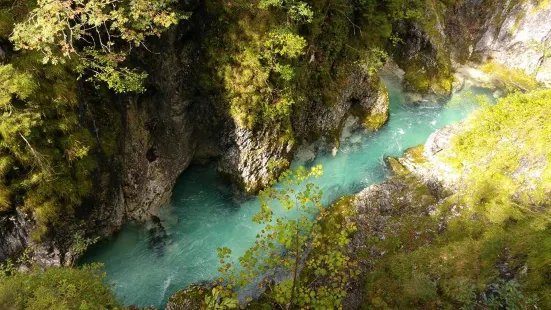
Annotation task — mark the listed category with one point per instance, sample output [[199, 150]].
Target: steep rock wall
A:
[[522, 40], [516, 34]]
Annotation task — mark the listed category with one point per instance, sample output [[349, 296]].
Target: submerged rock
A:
[[158, 237]]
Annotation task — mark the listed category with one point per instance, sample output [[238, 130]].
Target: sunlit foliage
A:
[[55, 288], [487, 246], [510, 79], [511, 141], [307, 242], [107, 29]]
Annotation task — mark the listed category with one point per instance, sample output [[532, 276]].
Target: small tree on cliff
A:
[[307, 242]]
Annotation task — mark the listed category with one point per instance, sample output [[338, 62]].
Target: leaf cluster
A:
[[300, 238], [56, 288], [98, 33]]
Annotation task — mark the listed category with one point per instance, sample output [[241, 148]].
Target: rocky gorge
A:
[[181, 120]]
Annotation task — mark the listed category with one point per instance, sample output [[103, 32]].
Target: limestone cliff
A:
[[516, 34], [178, 121]]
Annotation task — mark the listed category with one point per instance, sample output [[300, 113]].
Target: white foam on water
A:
[[204, 215]]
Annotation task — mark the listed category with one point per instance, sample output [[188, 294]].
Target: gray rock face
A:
[[521, 40], [14, 235], [515, 34], [247, 160], [376, 209], [15, 232], [434, 172], [363, 95], [158, 140]]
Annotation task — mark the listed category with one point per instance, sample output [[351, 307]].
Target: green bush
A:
[[497, 222], [56, 288]]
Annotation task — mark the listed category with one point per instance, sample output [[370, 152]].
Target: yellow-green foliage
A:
[[86, 31], [510, 79], [271, 56], [505, 152], [311, 246], [496, 223], [55, 288], [44, 150], [254, 58]]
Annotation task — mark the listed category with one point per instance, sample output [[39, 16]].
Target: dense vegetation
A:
[[56, 288], [266, 60], [45, 148], [487, 245], [273, 57]]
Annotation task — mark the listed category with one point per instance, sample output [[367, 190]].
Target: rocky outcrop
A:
[[424, 56], [516, 34], [248, 151], [247, 159], [423, 161], [377, 113], [16, 239], [363, 96], [519, 36], [14, 235], [377, 210]]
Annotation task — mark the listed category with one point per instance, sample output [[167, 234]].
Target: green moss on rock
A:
[[374, 122], [396, 166], [415, 154], [190, 298]]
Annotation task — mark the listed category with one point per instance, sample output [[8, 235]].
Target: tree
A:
[[55, 288], [307, 242], [98, 33], [45, 164]]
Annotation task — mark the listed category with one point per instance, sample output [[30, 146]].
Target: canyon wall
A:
[[177, 121]]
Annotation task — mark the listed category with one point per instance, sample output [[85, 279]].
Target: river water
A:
[[204, 214]]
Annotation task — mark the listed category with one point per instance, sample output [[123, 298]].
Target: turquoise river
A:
[[204, 214]]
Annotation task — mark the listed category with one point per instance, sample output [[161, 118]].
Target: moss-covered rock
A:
[[396, 166], [190, 298], [415, 154], [379, 111]]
